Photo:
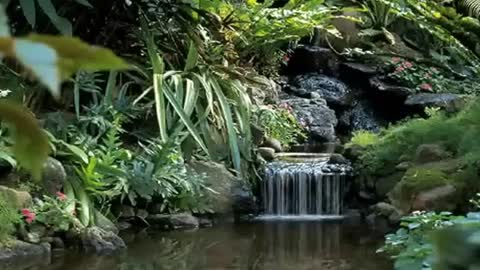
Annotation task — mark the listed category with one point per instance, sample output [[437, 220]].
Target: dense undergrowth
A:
[[199, 78]]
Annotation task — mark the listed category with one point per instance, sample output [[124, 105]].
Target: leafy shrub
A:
[[455, 132], [363, 138], [411, 245], [159, 175], [423, 78], [279, 123], [9, 217], [57, 214]]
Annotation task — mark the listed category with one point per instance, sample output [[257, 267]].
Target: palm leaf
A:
[[472, 7]]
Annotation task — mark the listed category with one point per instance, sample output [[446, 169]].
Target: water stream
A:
[[291, 245], [303, 187]]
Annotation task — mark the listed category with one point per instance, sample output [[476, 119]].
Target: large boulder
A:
[[385, 184], [230, 196], [54, 176], [447, 101], [17, 199], [426, 153], [19, 250], [440, 198], [267, 153], [95, 239], [104, 223], [174, 221], [380, 86], [416, 180], [319, 119], [335, 92]]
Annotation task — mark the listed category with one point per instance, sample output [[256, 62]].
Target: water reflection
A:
[[262, 246]]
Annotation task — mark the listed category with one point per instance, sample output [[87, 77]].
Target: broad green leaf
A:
[[85, 3], [28, 9], [63, 25], [192, 57], [31, 146], [4, 27], [76, 151]]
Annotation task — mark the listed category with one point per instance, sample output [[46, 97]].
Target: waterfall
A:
[[303, 188]]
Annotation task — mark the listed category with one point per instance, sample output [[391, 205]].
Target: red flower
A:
[[28, 215], [426, 86], [407, 64], [399, 69], [286, 58], [396, 59], [61, 196]]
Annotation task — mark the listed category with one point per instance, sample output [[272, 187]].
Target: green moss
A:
[[9, 217], [417, 180]]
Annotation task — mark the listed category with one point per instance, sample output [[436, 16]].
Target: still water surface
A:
[[268, 245]]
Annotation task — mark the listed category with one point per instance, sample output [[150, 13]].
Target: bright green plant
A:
[[363, 138], [57, 214], [379, 17], [279, 123], [159, 175], [9, 218]]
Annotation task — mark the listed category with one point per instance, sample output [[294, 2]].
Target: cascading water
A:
[[303, 187]]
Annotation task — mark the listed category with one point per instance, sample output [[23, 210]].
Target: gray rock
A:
[[22, 250], [377, 84], [127, 211], [205, 222], [267, 153], [447, 101], [142, 213], [174, 221], [384, 209], [338, 159], [57, 243], [95, 239], [357, 70], [53, 176], [104, 223], [123, 225], [219, 178], [273, 143], [317, 117], [385, 184], [436, 199], [332, 90], [244, 201]]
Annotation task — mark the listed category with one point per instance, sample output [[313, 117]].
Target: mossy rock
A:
[[385, 184], [17, 199], [414, 182], [426, 153]]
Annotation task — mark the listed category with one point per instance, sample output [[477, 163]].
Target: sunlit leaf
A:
[[31, 146], [74, 54]]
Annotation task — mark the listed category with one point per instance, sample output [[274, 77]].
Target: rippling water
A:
[[268, 245]]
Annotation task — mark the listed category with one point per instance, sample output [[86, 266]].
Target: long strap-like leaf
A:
[[232, 134]]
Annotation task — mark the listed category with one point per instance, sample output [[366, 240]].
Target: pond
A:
[[266, 245]]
